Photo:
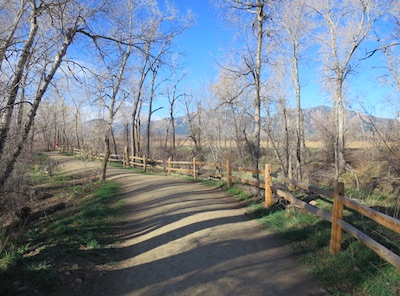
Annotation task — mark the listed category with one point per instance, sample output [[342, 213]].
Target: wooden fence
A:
[[232, 174]]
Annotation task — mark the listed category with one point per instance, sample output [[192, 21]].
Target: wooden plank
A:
[[136, 164], [304, 186], [207, 163], [247, 170], [135, 158], [114, 160], [307, 207], [248, 182], [182, 162], [376, 247], [383, 219]]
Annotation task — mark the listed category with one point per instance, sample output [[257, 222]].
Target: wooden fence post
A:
[[169, 166], [336, 232], [268, 184], [125, 157], [194, 169], [228, 174], [144, 163]]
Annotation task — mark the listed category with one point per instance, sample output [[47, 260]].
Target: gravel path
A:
[[181, 238]]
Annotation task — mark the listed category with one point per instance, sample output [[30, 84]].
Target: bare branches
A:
[[382, 48]]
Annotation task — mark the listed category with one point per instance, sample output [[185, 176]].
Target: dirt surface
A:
[[181, 238]]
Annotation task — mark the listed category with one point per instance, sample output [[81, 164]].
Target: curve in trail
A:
[[181, 238]]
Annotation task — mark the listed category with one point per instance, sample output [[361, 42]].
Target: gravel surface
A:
[[182, 238]]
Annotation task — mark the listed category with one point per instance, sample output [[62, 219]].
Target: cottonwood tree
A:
[[39, 37], [193, 112], [110, 82], [279, 127], [251, 15], [173, 96], [153, 88], [344, 25], [230, 91], [292, 18], [161, 27]]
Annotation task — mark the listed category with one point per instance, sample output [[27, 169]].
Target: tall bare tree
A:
[[156, 43], [39, 42], [230, 90], [345, 25], [173, 97], [258, 9], [293, 19]]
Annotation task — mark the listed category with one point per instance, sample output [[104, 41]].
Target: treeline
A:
[[73, 69]]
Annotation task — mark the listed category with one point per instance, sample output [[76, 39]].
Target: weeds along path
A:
[[181, 238]]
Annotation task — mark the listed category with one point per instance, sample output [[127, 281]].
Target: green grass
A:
[[356, 270], [78, 232]]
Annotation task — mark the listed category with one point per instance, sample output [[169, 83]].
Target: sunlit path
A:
[[182, 238]]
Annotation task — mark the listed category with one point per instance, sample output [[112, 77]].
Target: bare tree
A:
[[345, 26], [36, 42], [111, 95], [173, 97], [293, 19], [156, 43], [230, 90], [193, 119], [253, 61]]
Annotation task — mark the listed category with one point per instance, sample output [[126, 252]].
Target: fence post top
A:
[[339, 187]]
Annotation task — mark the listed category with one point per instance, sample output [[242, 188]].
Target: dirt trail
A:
[[181, 238]]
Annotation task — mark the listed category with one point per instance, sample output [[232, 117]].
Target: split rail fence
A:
[[224, 171]]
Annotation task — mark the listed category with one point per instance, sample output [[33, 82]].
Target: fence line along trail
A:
[[182, 238]]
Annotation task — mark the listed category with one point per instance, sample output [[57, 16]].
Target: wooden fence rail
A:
[[227, 173]]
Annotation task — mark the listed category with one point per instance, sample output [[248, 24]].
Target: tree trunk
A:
[[288, 159], [257, 100], [8, 41], [237, 134], [114, 143], [106, 156], [126, 136], [300, 142], [9, 166], [173, 132], [339, 130], [153, 79], [5, 119]]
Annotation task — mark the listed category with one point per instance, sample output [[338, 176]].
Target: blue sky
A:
[[204, 41]]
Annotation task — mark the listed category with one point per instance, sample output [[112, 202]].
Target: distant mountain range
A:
[[314, 118]]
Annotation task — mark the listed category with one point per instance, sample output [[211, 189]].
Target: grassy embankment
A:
[[36, 257]]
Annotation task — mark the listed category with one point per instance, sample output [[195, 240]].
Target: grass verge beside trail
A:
[[355, 271], [37, 260]]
